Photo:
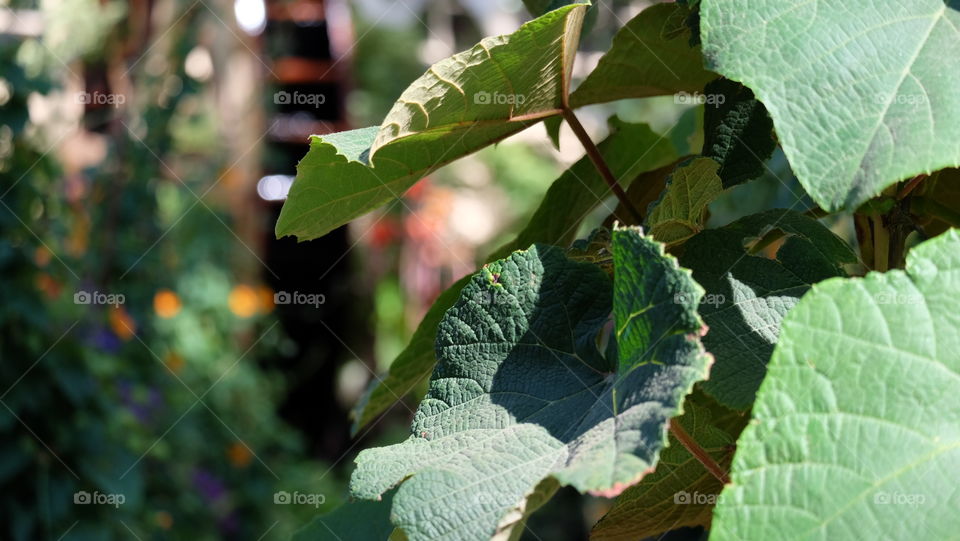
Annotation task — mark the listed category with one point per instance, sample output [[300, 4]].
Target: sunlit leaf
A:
[[856, 429], [461, 104], [862, 93], [650, 56]]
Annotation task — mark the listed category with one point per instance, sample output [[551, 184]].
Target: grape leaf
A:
[[680, 492], [359, 519], [748, 295], [650, 56], [461, 104], [521, 391], [629, 150], [681, 210], [856, 430], [738, 132], [854, 88]]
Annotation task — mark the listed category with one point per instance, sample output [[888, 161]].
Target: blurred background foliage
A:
[[198, 398]]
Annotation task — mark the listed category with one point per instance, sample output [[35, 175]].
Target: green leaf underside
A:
[[857, 425], [650, 56], [748, 295], [359, 519], [680, 492], [521, 393], [629, 150], [460, 105], [862, 93], [679, 213], [738, 133]]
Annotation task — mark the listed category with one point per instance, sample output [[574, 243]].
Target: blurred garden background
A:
[[154, 382]]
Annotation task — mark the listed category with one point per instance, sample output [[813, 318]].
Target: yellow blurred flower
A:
[[166, 303], [243, 301]]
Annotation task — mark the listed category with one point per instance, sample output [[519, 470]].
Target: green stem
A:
[[594, 154]]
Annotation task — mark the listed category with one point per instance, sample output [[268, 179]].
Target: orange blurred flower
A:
[[41, 256], [239, 455], [243, 301], [164, 520], [49, 285], [166, 303], [265, 294], [121, 323]]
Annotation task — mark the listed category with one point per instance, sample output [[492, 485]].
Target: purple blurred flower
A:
[[209, 486]]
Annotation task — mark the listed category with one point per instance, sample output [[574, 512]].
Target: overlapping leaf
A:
[[461, 104], [362, 519], [862, 93], [650, 56], [857, 425], [738, 131], [522, 393], [629, 150], [748, 295], [681, 492], [681, 210]]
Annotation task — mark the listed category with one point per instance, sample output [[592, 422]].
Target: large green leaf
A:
[[862, 93], [856, 430], [681, 210], [629, 150], [461, 104], [681, 492], [521, 391], [362, 519], [650, 56], [748, 295]]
